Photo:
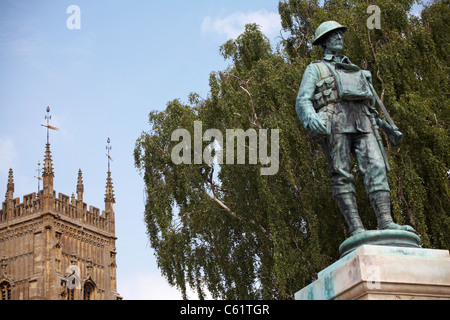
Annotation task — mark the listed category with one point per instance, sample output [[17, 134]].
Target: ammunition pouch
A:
[[325, 93]]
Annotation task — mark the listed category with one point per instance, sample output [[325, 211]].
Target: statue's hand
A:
[[317, 126]]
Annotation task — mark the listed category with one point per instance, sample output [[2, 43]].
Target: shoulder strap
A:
[[324, 70]]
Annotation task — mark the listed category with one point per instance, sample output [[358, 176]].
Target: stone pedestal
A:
[[375, 272]]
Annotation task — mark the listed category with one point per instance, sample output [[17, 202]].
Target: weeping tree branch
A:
[[236, 216]]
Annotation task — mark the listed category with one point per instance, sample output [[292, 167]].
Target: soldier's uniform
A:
[[336, 93], [349, 124]]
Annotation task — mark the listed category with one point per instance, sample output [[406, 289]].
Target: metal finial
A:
[[48, 117], [48, 126], [108, 148]]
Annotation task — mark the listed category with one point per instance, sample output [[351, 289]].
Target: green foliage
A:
[[236, 234]]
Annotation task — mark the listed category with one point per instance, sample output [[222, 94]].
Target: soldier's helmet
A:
[[324, 29]]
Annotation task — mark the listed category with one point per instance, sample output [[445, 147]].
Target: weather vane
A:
[[108, 148], [39, 178], [48, 126]]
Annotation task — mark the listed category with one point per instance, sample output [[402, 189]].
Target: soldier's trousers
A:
[[338, 148]]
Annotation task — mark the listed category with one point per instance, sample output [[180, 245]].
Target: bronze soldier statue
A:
[[336, 102]]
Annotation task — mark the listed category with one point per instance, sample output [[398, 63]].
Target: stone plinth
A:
[[374, 272]]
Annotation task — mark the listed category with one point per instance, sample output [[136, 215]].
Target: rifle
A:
[[391, 130]]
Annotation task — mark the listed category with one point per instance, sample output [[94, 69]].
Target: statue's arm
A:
[[304, 103]]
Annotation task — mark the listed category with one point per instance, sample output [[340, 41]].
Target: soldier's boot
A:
[[349, 209], [381, 203]]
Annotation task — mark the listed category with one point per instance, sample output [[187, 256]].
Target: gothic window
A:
[[70, 294], [5, 288], [88, 292]]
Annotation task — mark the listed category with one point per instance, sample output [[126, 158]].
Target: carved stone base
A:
[[374, 272], [394, 238]]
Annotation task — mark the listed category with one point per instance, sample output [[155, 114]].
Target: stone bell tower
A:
[[57, 247]]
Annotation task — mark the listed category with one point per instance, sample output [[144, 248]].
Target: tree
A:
[[226, 228]]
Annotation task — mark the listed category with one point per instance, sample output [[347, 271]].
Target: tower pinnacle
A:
[[9, 197], [48, 174], [80, 186], [48, 165], [10, 186], [109, 195]]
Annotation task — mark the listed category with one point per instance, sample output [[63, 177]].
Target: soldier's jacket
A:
[[334, 89]]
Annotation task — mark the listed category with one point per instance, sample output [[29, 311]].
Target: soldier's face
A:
[[335, 41]]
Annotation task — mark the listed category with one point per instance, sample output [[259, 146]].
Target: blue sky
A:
[[100, 81]]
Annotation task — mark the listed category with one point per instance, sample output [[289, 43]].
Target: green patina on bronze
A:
[[336, 102]]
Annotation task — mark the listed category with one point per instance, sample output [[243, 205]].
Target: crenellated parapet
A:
[[63, 205], [45, 201]]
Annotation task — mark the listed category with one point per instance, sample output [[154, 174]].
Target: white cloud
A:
[[146, 286], [233, 25], [151, 286], [7, 154]]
